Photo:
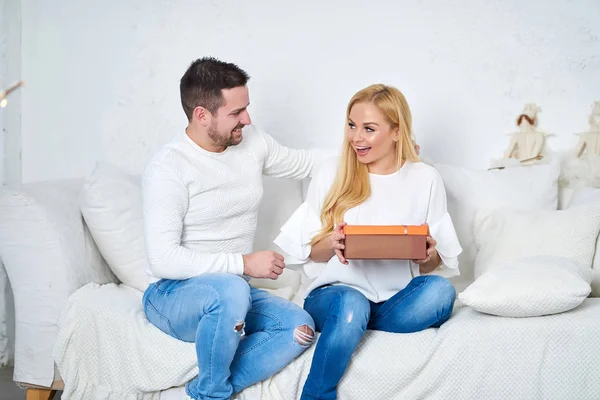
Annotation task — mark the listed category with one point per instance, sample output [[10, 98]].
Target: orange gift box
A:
[[386, 242]]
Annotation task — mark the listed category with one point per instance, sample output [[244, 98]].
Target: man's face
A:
[[226, 125]]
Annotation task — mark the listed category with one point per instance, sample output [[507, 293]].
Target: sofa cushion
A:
[[508, 234], [588, 195], [280, 199], [533, 262], [530, 287], [111, 202], [468, 190]]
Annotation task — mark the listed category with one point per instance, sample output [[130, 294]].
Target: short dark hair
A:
[[203, 81]]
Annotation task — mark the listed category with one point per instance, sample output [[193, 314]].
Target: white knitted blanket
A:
[[106, 349]]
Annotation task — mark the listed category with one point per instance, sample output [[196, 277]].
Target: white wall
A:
[[3, 83], [102, 76], [10, 72], [4, 344], [10, 141]]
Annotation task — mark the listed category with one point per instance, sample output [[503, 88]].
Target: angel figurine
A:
[[590, 141], [527, 144]]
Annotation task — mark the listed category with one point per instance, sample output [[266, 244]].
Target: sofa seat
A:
[[106, 349]]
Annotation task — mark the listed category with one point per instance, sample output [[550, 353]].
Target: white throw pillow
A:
[[528, 188], [588, 195], [584, 195], [280, 199], [111, 204], [508, 234], [530, 287]]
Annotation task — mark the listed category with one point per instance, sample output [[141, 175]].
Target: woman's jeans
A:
[[242, 334], [343, 314]]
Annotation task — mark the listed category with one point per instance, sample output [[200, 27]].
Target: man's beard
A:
[[222, 140]]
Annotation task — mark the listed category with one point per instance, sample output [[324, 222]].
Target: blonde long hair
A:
[[351, 186]]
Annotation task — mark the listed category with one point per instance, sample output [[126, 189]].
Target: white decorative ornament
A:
[[589, 142], [581, 165], [527, 145]]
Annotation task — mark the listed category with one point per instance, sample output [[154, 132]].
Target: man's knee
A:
[[230, 292], [303, 327], [304, 335], [233, 300]]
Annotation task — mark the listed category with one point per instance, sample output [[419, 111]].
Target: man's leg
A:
[[341, 314], [427, 301], [209, 310], [277, 331]]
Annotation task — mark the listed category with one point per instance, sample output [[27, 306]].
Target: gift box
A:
[[386, 242]]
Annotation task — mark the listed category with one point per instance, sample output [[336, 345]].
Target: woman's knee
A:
[[443, 287], [353, 309], [442, 295]]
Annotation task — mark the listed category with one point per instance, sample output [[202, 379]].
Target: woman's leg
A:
[[427, 301], [341, 315]]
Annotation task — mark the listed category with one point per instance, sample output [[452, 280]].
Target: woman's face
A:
[[372, 138]]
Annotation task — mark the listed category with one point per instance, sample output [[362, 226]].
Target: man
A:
[[201, 194]]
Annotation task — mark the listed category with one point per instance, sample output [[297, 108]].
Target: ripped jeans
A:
[[242, 334]]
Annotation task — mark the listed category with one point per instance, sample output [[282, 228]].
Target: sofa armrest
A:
[[48, 254], [6, 318]]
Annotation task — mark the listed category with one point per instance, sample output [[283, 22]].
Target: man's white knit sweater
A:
[[200, 207]]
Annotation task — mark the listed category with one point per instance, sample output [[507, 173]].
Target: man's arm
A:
[[165, 202], [285, 162]]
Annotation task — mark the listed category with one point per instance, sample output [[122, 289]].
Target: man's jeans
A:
[[242, 334], [343, 314]]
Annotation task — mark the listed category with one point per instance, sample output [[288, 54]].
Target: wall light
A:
[[4, 94]]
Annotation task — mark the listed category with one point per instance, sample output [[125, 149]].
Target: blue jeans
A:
[[242, 334], [343, 314]]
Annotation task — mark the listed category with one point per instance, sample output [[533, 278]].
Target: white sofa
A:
[[107, 350]]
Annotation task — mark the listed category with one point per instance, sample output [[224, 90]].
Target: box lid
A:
[[414, 230]]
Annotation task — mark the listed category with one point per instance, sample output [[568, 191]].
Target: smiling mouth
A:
[[362, 150], [238, 129]]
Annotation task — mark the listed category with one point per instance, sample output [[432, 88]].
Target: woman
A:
[[379, 181]]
